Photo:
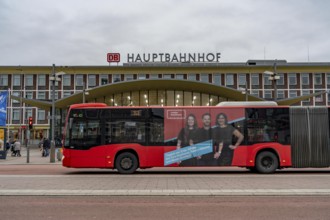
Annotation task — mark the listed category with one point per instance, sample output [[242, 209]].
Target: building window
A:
[[292, 79], [116, 78], [17, 94], [41, 95], [255, 93], [91, 80], [192, 77], [29, 95], [328, 78], [267, 81], [129, 77], [317, 79], [41, 115], [142, 76], [166, 76], [292, 93], [241, 79], [280, 94], [17, 80], [305, 79], [306, 92], [153, 76], [79, 80], [66, 80], [217, 79], [229, 79], [280, 81], [268, 94], [28, 112], [42, 80], [179, 76], [16, 114], [255, 79], [66, 94], [319, 98], [29, 80], [104, 79], [4, 80], [204, 77]]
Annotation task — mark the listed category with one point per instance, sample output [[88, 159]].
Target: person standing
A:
[[185, 138], [17, 148], [46, 147], [204, 134], [223, 135]]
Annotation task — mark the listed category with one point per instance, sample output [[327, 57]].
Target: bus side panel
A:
[[245, 155], [93, 158], [66, 160]]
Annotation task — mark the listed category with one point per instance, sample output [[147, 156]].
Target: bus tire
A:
[[266, 162], [126, 163]]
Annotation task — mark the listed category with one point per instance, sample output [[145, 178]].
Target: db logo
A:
[[113, 57]]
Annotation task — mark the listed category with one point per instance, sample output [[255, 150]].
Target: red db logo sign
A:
[[113, 57]]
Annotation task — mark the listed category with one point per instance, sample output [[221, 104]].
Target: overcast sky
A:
[[82, 32]]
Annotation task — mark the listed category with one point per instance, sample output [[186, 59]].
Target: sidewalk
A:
[[35, 158]]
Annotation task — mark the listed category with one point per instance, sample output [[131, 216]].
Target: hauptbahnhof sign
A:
[[166, 57]]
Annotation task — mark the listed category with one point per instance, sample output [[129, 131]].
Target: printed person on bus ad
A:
[[204, 134], [185, 138], [222, 136]]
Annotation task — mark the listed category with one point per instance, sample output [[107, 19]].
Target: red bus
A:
[[260, 138]]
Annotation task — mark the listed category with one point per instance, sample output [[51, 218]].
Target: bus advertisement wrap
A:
[[186, 153]]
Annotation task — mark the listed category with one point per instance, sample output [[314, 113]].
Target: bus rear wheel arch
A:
[[126, 162], [266, 162]]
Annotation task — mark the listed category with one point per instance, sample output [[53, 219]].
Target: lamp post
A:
[[54, 77], [244, 92], [84, 92], [273, 77]]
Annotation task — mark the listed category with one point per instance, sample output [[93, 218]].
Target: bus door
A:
[[85, 145]]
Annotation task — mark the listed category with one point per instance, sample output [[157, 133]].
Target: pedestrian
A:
[[2, 145], [46, 147], [17, 148]]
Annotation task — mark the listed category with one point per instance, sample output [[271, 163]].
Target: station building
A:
[[156, 84]]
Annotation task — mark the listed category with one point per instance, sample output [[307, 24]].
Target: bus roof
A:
[[257, 103]]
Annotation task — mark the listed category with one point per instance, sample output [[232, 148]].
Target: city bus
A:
[[260, 136]]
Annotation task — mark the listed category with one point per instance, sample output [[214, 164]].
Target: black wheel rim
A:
[[267, 162], [126, 163]]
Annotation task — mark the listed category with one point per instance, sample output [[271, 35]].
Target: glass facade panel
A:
[[3, 80], [91, 80], [204, 77], [170, 101], [17, 80], [241, 79], [217, 79], [229, 79], [318, 79], [305, 79], [255, 79], [42, 80], [66, 80], [79, 80], [292, 79], [28, 80]]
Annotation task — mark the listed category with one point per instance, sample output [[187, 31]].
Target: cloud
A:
[[81, 32]]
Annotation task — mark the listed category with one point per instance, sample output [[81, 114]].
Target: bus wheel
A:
[[266, 162], [126, 163]]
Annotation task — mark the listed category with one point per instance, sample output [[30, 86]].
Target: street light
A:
[[85, 92], [54, 78], [244, 91], [273, 77]]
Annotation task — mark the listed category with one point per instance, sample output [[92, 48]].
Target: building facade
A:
[[33, 82]]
